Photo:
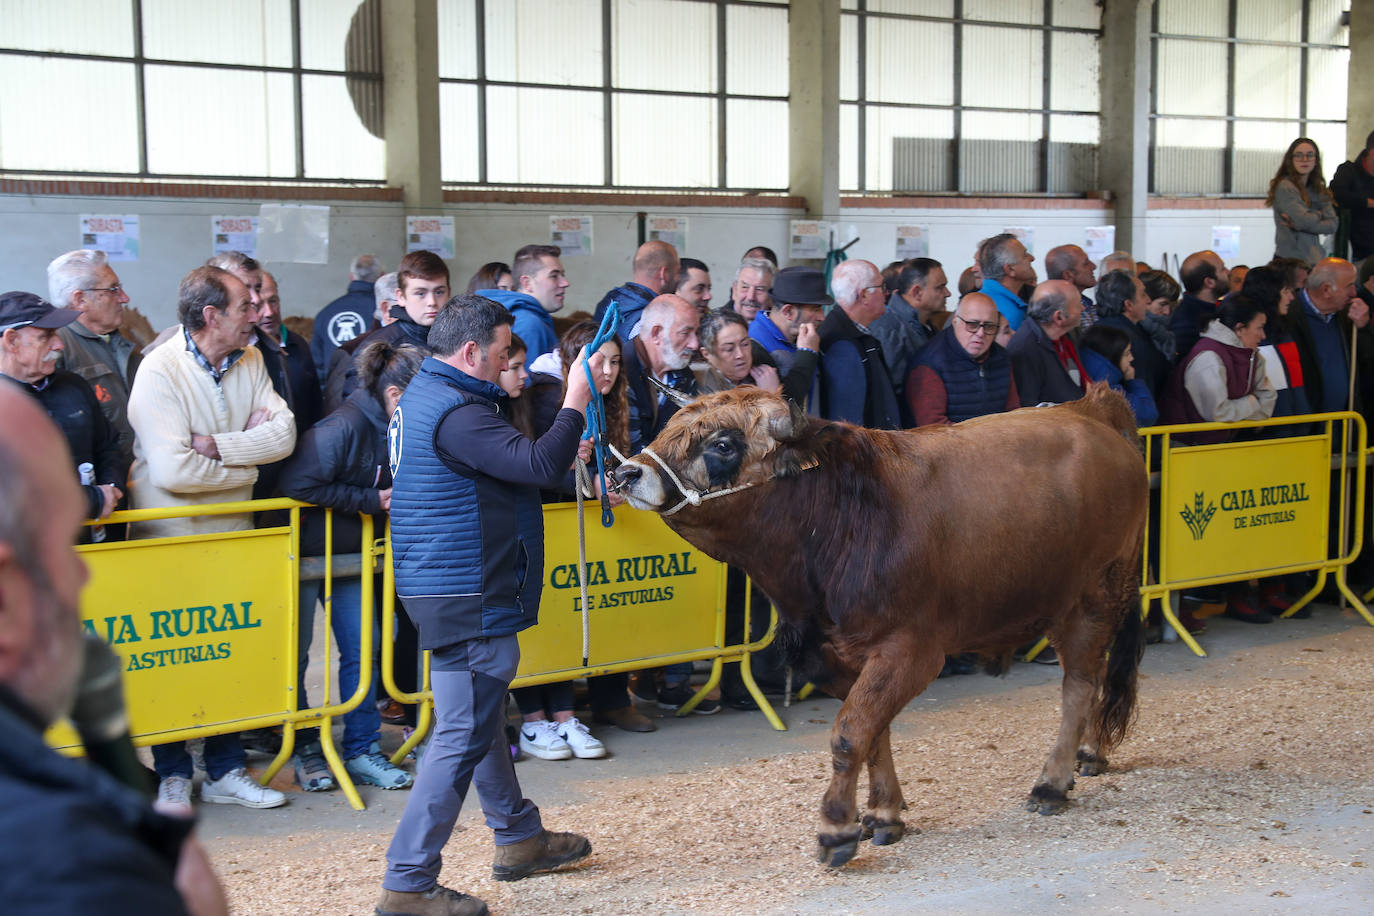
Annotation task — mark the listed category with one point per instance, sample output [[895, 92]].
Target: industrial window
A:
[[236, 89], [969, 96], [1236, 82], [634, 94]]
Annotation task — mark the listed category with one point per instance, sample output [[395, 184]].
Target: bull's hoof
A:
[[1091, 764], [887, 834], [834, 850], [1047, 800]]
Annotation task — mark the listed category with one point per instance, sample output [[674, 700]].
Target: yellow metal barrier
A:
[[1239, 510], [654, 600]]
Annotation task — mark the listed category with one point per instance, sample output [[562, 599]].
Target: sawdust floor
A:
[[1245, 786]]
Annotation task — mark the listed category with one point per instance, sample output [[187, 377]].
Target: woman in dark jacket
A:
[[341, 463], [1268, 287]]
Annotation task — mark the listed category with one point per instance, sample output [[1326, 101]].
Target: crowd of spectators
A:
[[230, 404]]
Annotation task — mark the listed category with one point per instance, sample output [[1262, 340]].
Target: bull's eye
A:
[[724, 446]]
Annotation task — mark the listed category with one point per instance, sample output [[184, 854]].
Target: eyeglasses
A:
[[973, 327], [114, 290], [1304, 155], [872, 289]]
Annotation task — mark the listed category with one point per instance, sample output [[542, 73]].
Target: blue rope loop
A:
[[596, 407]]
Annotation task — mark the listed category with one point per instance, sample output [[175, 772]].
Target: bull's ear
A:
[[787, 426]]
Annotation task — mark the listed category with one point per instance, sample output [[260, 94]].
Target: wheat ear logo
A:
[[1197, 517]]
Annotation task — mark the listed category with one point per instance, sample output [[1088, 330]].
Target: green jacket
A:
[[108, 363]]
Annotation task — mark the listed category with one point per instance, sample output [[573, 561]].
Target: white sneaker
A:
[[238, 788], [174, 796], [540, 739], [579, 740]]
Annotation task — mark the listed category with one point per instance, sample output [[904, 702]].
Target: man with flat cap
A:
[[786, 334], [29, 349]]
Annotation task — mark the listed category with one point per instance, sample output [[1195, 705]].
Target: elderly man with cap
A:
[[786, 335], [29, 349]]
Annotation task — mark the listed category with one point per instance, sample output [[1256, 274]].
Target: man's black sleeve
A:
[[474, 438]]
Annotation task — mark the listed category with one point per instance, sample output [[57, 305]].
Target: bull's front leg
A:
[[883, 821], [888, 681]]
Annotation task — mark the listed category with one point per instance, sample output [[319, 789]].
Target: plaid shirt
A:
[[216, 374]]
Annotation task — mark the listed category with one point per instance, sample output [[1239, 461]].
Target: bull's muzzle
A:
[[625, 475]]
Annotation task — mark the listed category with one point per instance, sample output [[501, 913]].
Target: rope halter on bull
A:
[[691, 496], [596, 432]]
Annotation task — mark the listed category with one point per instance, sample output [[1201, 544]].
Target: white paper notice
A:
[[571, 233], [430, 233], [1226, 242], [1026, 234], [913, 242], [810, 239], [234, 233], [293, 233], [117, 236], [1098, 242], [670, 229]]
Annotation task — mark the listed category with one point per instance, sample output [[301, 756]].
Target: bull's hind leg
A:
[[1114, 702], [888, 681], [1079, 693], [883, 822]]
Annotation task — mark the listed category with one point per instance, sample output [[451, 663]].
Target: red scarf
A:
[[1068, 355]]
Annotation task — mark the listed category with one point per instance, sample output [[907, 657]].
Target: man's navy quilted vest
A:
[[971, 389], [468, 550]]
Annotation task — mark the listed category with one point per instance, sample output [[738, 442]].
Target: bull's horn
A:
[[677, 397]]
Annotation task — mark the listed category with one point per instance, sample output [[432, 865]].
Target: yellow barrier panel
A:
[[1238, 510]]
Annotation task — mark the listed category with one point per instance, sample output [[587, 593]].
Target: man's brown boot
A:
[[437, 901], [543, 852]]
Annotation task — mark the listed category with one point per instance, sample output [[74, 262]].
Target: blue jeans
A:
[[363, 725], [222, 754]]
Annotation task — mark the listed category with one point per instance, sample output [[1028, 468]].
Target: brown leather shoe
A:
[[392, 713], [437, 901], [542, 852], [626, 717]]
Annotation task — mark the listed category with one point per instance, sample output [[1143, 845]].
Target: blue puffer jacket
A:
[[972, 389], [468, 549], [533, 325]]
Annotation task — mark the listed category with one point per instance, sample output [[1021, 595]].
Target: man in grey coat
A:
[[904, 328]]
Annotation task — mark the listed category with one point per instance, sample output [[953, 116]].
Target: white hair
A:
[[366, 267], [848, 280], [385, 291], [762, 264], [70, 272]]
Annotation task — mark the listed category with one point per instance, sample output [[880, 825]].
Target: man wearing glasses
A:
[[1044, 360], [855, 384], [92, 346], [963, 373]]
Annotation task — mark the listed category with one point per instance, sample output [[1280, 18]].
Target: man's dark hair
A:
[[914, 273], [1113, 292], [768, 253], [422, 265], [201, 287], [528, 260], [1265, 285], [381, 365], [234, 260], [464, 318], [685, 265], [1195, 279], [1159, 285]]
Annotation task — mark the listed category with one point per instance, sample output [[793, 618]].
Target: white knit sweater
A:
[[174, 398]]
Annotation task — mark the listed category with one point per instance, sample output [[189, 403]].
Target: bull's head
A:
[[713, 446]]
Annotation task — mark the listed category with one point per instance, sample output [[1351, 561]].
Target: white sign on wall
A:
[[1098, 242], [1226, 242], [810, 239], [234, 233], [293, 233], [913, 242], [670, 229], [117, 236], [430, 233], [573, 234]]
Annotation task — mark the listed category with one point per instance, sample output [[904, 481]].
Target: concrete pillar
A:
[[814, 106], [1360, 87], [1124, 150], [410, 101]]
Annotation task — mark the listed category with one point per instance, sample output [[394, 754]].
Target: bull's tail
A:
[[1115, 711], [1106, 406]]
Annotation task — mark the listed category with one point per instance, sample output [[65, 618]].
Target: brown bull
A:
[[885, 551]]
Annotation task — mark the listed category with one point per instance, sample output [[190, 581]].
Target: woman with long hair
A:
[[491, 275], [1303, 207]]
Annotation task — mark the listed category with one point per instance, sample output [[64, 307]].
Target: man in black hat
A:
[[1353, 188], [29, 349], [786, 335]]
